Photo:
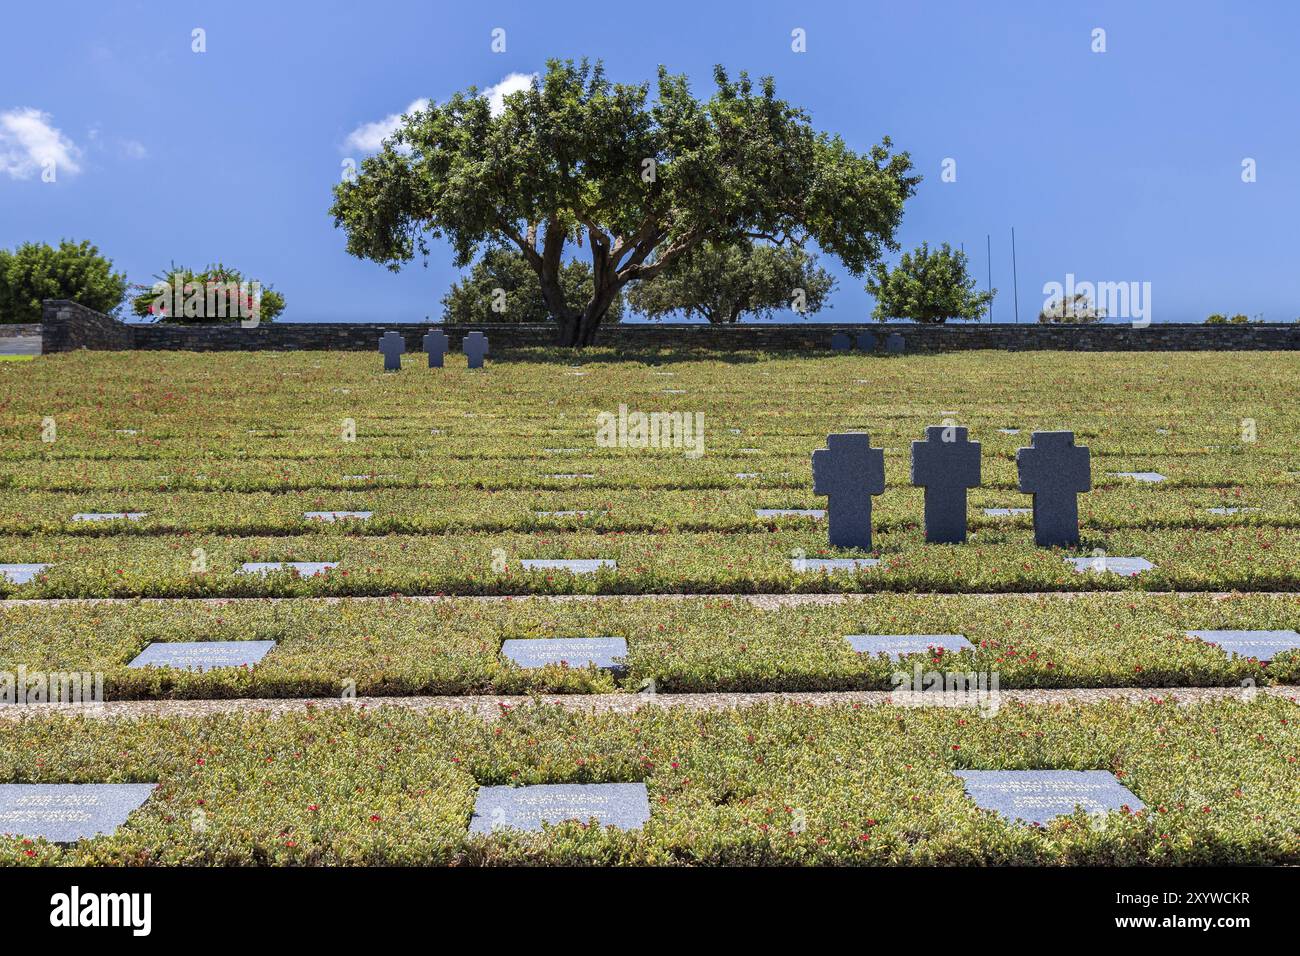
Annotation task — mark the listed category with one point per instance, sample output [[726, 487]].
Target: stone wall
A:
[[69, 326], [19, 330]]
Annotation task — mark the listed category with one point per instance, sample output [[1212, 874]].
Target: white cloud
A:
[[133, 149], [29, 142], [513, 83], [369, 137]]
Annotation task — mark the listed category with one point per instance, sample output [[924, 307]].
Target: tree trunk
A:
[[594, 313]]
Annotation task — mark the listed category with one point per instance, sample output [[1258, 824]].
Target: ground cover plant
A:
[[765, 785], [390, 647], [458, 467]]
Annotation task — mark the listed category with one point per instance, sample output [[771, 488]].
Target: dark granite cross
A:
[[392, 345], [945, 465], [435, 343], [475, 346], [1054, 470], [849, 471]]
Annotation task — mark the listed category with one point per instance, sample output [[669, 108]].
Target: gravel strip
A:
[[768, 601], [492, 706]]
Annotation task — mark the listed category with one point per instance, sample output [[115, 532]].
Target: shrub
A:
[[217, 294], [927, 287], [1076, 308], [35, 271]]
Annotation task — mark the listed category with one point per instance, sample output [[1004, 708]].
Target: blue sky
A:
[[1122, 166]]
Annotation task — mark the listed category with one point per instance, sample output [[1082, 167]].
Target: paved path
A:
[[492, 706], [20, 345]]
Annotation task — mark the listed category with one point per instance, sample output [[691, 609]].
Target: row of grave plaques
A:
[[610, 653], [68, 812], [393, 346]]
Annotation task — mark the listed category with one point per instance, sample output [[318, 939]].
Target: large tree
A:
[[927, 286], [501, 288], [35, 271], [722, 283], [577, 159]]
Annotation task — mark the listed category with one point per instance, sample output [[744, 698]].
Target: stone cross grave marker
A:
[[202, 655], [849, 471], [435, 344], [1038, 796], [945, 465], [475, 346], [393, 345], [1054, 470], [68, 812], [622, 805]]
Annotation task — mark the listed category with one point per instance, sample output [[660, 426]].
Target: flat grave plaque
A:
[[604, 652], [21, 573], [202, 655], [1038, 796], [1261, 645], [832, 564], [572, 565], [622, 805], [1126, 566], [68, 812], [898, 645], [305, 569], [329, 517], [815, 513], [1150, 477]]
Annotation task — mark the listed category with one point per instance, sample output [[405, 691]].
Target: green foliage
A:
[[232, 461], [1217, 319], [927, 287], [1078, 308], [475, 298], [779, 784], [398, 647], [35, 271], [218, 293], [723, 283], [579, 159]]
